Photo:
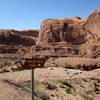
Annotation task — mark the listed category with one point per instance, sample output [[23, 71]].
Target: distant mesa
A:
[[14, 37]]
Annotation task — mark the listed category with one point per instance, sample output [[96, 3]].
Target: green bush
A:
[[68, 90], [64, 84]]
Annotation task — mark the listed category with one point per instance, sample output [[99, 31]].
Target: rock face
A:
[[75, 30], [13, 37], [81, 32], [29, 32], [71, 36], [58, 30], [93, 24], [91, 50]]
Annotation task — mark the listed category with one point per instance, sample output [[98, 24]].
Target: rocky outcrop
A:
[[91, 50], [66, 29], [79, 32], [29, 32], [13, 37], [93, 25], [75, 30]]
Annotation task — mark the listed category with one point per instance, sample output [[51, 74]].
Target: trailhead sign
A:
[[35, 62]]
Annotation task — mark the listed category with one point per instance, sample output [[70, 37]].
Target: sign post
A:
[[33, 63], [32, 84]]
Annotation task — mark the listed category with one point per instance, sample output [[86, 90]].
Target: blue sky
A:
[[23, 14]]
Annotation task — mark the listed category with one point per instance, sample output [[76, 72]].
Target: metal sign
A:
[[33, 63]]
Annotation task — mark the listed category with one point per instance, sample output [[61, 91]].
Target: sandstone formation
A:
[[64, 29], [13, 37], [91, 50], [93, 25], [29, 32], [82, 33], [75, 30], [70, 36]]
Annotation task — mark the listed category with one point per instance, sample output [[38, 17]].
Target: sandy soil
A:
[[96, 70], [13, 92]]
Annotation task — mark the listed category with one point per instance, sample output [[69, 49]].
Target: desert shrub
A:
[[68, 90], [5, 63], [5, 70], [85, 95], [65, 85], [62, 86], [50, 86], [96, 89], [41, 95]]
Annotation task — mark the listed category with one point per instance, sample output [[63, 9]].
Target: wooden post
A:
[[32, 84], [33, 63]]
